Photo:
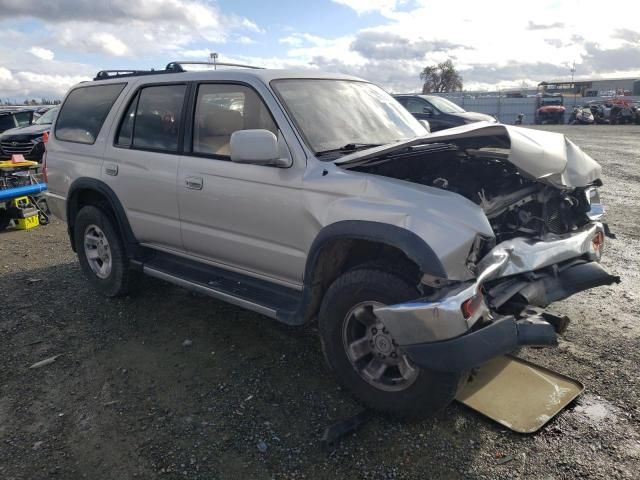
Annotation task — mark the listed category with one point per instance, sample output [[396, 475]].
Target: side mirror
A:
[[256, 147], [428, 111], [426, 125]]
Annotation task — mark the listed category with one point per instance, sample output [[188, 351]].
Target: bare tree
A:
[[442, 77]]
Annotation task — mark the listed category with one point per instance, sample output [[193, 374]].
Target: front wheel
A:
[[364, 355]]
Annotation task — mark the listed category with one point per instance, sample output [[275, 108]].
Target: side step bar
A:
[[269, 299], [212, 292]]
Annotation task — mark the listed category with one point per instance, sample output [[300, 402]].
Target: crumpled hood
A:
[[545, 156], [475, 117]]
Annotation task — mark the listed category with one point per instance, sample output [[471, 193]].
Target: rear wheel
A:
[[101, 252], [364, 355], [5, 218]]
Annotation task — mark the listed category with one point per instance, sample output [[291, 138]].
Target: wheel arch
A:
[[90, 191], [346, 244]]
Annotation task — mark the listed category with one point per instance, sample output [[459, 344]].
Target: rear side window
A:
[[84, 111], [153, 119]]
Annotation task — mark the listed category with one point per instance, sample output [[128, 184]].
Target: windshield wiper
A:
[[349, 147]]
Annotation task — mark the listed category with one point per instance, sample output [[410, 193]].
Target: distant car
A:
[[27, 139], [440, 112], [12, 117], [549, 109]]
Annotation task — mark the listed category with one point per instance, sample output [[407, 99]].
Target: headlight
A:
[[596, 209]]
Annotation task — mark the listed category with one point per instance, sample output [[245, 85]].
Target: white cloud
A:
[[495, 43], [366, 6], [43, 53], [132, 27], [5, 74], [107, 43], [244, 40]]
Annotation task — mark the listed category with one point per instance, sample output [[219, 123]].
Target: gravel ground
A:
[[165, 384]]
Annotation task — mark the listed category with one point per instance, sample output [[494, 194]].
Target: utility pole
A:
[[573, 71]]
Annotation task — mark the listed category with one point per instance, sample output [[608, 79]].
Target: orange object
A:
[[45, 137], [17, 158]]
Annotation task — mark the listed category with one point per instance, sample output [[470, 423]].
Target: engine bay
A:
[[514, 204]]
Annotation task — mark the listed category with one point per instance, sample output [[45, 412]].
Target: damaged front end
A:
[[463, 325], [539, 193]]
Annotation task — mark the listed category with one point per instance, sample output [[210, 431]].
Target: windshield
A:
[[444, 105], [332, 114], [48, 117]]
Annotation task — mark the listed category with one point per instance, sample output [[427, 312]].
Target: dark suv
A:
[[27, 139], [439, 112]]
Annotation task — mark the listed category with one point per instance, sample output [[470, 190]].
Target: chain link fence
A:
[[507, 109]]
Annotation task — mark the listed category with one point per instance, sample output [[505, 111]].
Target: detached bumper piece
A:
[[574, 279], [518, 394], [467, 351]]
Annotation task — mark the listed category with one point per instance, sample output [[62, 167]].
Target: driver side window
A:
[[417, 105], [223, 109]]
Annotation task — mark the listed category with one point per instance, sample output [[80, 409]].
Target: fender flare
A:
[[414, 247], [85, 183]]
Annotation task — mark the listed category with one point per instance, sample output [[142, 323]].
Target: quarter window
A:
[[153, 118], [84, 111], [224, 109]]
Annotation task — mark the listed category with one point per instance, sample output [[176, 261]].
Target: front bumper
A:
[[437, 333]]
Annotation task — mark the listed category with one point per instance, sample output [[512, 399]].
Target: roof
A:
[[7, 110], [237, 74]]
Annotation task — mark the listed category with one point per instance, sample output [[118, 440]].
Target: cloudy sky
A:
[[45, 47]]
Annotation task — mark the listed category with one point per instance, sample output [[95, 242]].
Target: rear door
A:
[[141, 165]]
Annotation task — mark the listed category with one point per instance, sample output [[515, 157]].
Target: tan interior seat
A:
[[214, 128]]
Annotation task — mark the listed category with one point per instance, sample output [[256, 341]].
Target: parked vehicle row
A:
[[27, 138]]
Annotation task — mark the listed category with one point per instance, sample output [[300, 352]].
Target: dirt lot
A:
[[248, 398]]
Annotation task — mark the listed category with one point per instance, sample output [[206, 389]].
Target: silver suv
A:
[[305, 196]]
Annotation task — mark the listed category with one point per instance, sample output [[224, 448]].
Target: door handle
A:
[[111, 169], [194, 183]]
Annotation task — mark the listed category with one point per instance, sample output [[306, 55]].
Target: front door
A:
[[240, 216], [423, 110]]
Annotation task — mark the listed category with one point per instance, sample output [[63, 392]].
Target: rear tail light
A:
[[45, 173], [470, 306]]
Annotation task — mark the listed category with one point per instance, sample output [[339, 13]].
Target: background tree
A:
[[442, 77]]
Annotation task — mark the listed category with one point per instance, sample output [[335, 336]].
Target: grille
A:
[[559, 217], [10, 147]]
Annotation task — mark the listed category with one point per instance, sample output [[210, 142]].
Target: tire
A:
[[92, 222], [423, 393], [5, 218]]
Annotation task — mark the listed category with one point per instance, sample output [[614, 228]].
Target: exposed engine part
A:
[[515, 205]]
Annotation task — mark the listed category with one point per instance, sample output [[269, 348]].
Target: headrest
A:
[[220, 121]]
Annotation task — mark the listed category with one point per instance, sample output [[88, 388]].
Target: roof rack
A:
[[106, 74], [172, 67], [178, 66]]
